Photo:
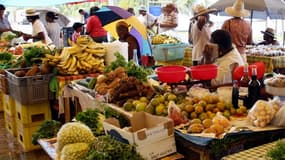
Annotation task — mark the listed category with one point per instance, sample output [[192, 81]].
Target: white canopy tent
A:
[[35, 3]]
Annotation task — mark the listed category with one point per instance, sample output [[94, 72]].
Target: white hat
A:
[[142, 8], [200, 10], [237, 10], [32, 12]]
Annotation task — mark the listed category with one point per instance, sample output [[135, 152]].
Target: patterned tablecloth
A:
[[271, 63], [256, 153]]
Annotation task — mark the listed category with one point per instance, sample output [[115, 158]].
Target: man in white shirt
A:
[[147, 19]]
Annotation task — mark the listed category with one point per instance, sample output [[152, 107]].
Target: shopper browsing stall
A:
[[4, 23], [94, 27], [169, 18], [39, 32], [200, 32], [147, 19], [239, 29], [53, 29], [77, 27], [268, 37]]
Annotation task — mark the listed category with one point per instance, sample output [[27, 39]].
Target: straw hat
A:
[[237, 10], [199, 10], [142, 8], [269, 31], [32, 12]]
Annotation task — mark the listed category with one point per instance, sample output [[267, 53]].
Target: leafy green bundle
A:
[[107, 148], [278, 152], [131, 68], [48, 129]]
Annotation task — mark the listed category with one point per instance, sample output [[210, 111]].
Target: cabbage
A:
[[8, 36]]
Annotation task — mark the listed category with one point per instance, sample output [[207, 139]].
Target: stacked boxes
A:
[[28, 120], [9, 114]]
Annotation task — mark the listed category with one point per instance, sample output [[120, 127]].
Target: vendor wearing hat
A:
[[39, 32], [268, 37], [122, 29], [147, 19], [239, 29], [200, 31]]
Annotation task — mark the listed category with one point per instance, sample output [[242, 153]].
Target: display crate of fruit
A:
[[169, 52], [28, 89]]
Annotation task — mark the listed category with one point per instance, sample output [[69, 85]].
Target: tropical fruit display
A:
[[163, 39], [85, 56]]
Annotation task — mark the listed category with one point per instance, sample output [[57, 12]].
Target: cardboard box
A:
[[152, 135], [145, 128], [157, 149]]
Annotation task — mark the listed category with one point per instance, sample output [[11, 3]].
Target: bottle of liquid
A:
[[135, 57], [253, 88], [245, 78], [235, 94]]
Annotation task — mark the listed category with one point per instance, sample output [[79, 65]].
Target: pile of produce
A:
[[277, 152], [91, 118], [163, 39], [35, 70], [106, 147], [8, 36], [84, 57], [88, 82], [276, 81], [73, 141], [7, 60]]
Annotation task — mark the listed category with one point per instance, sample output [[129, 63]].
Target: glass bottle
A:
[[245, 77], [253, 88], [235, 94]]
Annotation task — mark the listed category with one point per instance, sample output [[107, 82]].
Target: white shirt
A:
[[147, 19], [38, 27], [53, 30], [199, 38], [224, 63]]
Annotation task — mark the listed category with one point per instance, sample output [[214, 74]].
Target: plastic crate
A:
[[24, 136], [10, 124], [33, 114], [4, 86], [28, 89], [9, 104], [168, 52]]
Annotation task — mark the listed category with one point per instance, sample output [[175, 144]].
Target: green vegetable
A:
[[107, 148], [131, 68], [48, 129], [92, 83], [32, 54], [91, 118], [8, 36], [278, 152], [109, 112]]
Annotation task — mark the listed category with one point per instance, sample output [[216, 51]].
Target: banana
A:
[[75, 50], [89, 57], [86, 64], [70, 42], [97, 52], [82, 55], [64, 53], [73, 63], [67, 64]]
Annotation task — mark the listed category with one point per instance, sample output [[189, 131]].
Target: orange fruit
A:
[[189, 108], [195, 120], [218, 128], [221, 106], [193, 115], [199, 109]]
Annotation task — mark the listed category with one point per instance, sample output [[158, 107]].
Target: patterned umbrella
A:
[[109, 17]]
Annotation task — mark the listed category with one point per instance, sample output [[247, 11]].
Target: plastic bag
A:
[[116, 46], [174, 112], [263, 112], [279, 119]]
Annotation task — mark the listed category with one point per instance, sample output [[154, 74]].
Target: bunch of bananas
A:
[[84, 56], [163, 39]]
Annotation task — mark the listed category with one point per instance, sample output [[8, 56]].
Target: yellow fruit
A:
[[209, 130], [202, 103], [195, 128], [189, 108], [243, 108], [227, 114], [171, 97], [193, 115], [159, 110], [232, 111], [143, 99], [141, 106], [199, 109], [203, 116], [207, 123], [221, 106], [196, 120], [218, 128]]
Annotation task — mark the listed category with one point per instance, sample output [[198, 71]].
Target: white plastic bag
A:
[[279, 119], [116, 46], [263, 112]]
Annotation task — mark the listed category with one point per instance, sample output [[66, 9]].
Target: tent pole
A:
[[251, 15]]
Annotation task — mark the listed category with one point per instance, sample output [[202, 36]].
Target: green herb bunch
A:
[[277, 152], [48, 129]]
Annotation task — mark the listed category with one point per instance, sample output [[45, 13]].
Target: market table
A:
[[202, 148], [255, 153], [272, 63]]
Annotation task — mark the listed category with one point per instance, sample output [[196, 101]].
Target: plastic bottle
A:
[[245, 78], [253, 88], [135, 57], [235, 94]]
